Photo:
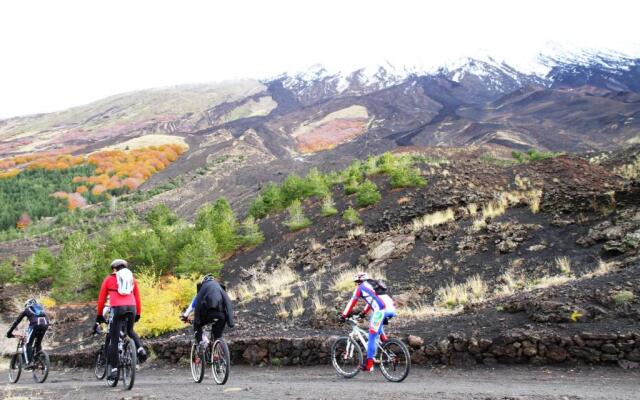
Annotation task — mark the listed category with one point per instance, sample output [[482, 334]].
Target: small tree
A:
[[24, 221], [406, 177], [350, 215], [200, 256], [297, 219], [328, 206], [368, 194], [251, 234], [161, 215], [7, 272]]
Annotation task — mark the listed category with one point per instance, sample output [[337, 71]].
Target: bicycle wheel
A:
[[197, 363], [128, 362], [100, 370], [41, 367], [346, 357], [395, 360], [220, 362], [15, 368]]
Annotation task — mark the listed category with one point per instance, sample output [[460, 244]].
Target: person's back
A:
[[210, 304], [124, 300], [38, 326]]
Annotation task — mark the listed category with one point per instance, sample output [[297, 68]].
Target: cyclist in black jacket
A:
[[38, 325], [211, 302]]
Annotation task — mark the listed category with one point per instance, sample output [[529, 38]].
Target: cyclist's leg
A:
[[388, 314], [39, 334], [29, 340], [217, 327], [119, 318], [375, 326]]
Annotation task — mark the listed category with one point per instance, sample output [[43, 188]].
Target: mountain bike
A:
[[40, 363], [214, 352], [127, 356], [392, 356]]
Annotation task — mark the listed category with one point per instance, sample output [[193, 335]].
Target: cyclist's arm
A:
[[352, 303], [366, 309], [228, 309], [136, 294], [15, 323], [190, 308], [102, 297]]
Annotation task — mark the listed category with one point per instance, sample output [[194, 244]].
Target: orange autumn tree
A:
[[24, 221]]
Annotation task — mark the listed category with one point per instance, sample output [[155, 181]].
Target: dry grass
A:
[[603, 268], [534, 198], [314, 245], [421, 311], [631, 170], [437, 218], [493, 209], [355, 232], [297, 307], [477, 288], [549, 281], [564, 265], [318, 304], [282, 313], [472, 209], [277, 283], [452, 295], [304, 290], [478, 225]]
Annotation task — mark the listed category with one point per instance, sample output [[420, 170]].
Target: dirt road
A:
[[503, 383]]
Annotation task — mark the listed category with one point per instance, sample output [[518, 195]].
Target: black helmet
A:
[[208, 277], [119, 263]]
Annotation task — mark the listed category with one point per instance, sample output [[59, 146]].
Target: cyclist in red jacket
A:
[[124, 298]]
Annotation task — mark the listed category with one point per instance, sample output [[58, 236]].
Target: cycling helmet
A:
[[119, 263], [30, 302], [207, 277], [360, 276]]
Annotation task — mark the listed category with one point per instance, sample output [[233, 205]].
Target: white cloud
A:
[[64, 53]]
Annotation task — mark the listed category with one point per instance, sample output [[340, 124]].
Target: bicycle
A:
[[215, 352], [392, 356], [40, 363], [127, 360]]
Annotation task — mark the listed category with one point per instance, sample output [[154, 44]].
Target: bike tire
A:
[[349, 352], [197, 363], [100, 370], [395, 360], [41, 367], [220, 362], [15, 368], [128, 364]]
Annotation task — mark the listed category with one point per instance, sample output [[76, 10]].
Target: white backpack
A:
[[125, 281]]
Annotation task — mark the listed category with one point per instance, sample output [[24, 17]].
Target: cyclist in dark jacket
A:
[[210, 303], [38, 325]]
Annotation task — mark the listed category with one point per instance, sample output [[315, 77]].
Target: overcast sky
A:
[[58, 54]]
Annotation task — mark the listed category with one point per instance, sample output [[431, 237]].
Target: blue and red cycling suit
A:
[[383, 307]]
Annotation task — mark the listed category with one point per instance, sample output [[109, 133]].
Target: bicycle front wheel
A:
[[41, 367], [128, 364], [100, 370], [15, 368], [220, 362], [395, 360], [197, 363], [346, 357]]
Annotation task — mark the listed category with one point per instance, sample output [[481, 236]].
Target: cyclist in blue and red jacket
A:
[[38, 325], [383, 308]]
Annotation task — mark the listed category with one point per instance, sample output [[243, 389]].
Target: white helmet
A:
[[360, 276]]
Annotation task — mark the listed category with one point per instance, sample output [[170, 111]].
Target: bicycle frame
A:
[[359, 334]]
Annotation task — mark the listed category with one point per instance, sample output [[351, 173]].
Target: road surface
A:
[[501, 383]]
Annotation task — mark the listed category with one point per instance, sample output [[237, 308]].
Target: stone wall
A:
[[455, 350]]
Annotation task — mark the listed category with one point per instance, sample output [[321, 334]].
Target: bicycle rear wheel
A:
[[197, 363], [220, 362], [100, 370], [395, 360], [346, 357], [128, 364], [41, 367], [15, 368]]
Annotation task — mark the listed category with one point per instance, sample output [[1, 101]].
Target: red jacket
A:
[[110, 287]]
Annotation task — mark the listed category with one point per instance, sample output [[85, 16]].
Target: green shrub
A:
[[138, 245], [38, 267], [271, 199], [79, 266], [328, 206], [251, 234], [350, 215], [297, 220], [294, 188], [7, 272], [316, 184], [220, 220], [201, 256], [368, 194], [406, 177], [161, 215], [386, 163], [623, 297], [351, 186]]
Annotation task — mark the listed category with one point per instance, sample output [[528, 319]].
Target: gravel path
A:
[[503, 383]]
